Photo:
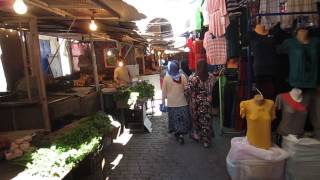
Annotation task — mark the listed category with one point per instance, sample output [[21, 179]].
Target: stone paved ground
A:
[[157, 155]]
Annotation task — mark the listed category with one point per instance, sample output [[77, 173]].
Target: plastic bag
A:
[[304, 160], [246, 162]]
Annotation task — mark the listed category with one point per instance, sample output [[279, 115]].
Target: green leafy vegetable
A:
[[68, 150]]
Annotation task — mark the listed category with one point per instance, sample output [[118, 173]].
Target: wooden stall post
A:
[[25, 62], [95, 72], [35, 55]]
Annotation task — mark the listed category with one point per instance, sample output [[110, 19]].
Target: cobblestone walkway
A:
[[157, 155]]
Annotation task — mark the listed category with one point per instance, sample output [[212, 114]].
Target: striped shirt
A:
[[234, 7]]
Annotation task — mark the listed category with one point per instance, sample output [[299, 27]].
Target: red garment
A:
[[191, 60], [199, 52], [294, 104]]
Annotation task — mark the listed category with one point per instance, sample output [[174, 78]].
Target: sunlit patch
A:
[[124, 138], [116, 161]]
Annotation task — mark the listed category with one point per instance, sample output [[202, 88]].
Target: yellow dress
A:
[[259, 119]]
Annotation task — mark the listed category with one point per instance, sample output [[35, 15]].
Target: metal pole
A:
[[95, 72]]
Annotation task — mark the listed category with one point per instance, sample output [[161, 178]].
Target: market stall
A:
[[55, 72]]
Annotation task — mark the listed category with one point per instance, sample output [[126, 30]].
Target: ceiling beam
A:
[[45, 6], [66, 6], [79, 18], [102, 4]]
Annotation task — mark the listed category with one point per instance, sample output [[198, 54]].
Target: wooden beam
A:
[[67, 6], [79, 17], [95, 73], [104, 5], [45, 6], [35, 56]]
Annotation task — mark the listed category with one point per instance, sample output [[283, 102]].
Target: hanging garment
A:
[[233, 39], [259, 119], [234, 7], [230, 104], [195, 21], [264, 54], [205, 15], [191, 56], [299, 6], [303, 61], [218, 17], [199, 52], [216, 49], [294, 114], [269, 6]]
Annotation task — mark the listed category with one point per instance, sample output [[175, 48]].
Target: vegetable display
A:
[[67, 150], [144, 89]]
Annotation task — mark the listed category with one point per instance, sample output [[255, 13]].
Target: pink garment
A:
[[218, 17], [216, 49]]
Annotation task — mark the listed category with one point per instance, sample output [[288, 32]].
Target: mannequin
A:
[[296, 94], [259, 113], [261, 30], [303, 51], [294, 112]]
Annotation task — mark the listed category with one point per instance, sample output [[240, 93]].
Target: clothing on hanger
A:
[[264, 54], [191, 57], [303, 62], [216, 49], [218, 17], [234, 7], [269, 6], [299, 6]]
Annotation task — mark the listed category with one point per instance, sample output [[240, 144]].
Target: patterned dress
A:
[[198, 92]]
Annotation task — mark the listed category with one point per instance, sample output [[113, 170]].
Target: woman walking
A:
[[178, 109], [199, 93]]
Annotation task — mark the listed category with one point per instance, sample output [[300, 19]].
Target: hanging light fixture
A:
[[93, 26], [20, 7], [109, 53]]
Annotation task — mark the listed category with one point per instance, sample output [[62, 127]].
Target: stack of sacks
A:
[[18, 147], [304, 160], [246, 162]]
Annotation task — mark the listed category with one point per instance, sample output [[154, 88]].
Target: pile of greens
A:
[[144, 89], [66, 151]]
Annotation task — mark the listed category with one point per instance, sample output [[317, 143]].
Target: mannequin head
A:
[[302, 34], [259, 99], [296, 94], [261, 29]]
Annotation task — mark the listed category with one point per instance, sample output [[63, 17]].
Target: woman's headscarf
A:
[[202, 70], [185, 67], [174, 71]]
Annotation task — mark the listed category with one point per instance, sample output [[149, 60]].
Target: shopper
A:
[[185, 68], [199, 93], [178, 110]]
